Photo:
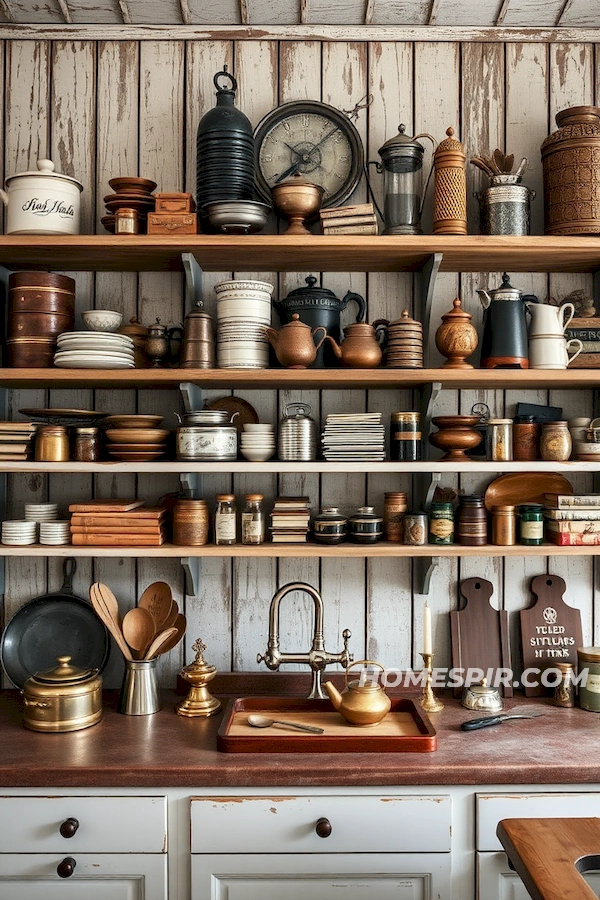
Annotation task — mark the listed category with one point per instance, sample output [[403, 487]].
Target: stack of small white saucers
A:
[[41, 512], [17, 532], [94, 350], [257, 442], [243, 315], [55, 533]]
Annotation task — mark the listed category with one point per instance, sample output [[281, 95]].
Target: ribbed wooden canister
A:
[[450, 187]]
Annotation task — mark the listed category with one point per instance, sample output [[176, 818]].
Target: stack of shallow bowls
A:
[[130, 193], [55, 533], [94, 350], [243, 315], [133, 444], [41, 512], [257, 442], [18, 532]]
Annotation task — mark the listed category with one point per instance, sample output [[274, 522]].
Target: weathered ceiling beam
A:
[[125, 14], [433, 12], [244, 12], [565, 9], [186, 13], [64, 10], [369, 12], [502, 13], [7, 10]]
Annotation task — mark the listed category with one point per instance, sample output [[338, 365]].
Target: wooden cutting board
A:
[[550, 630], [479, 634]]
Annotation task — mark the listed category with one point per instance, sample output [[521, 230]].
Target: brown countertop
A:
[[167, 750]]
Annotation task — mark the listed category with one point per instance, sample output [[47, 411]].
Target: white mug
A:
[[552, 351]]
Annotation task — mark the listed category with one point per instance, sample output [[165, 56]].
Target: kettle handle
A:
[[324, 330], [380, 326], [366, 663], [362, 306]]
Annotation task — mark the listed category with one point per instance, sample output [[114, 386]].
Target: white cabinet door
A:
[[384, 876], [111, 876], [497, 881]]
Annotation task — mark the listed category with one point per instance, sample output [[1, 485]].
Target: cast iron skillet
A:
[[56, 624]]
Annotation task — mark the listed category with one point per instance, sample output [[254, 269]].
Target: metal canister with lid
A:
[[297, 439], [589, 687], [405, 436], [63, 698]]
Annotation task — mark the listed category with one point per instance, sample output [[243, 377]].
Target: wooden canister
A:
[[190, 523], [41, 292], [30, 352], [394, 507], [450, 187]]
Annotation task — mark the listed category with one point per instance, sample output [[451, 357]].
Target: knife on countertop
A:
[[519, 712]]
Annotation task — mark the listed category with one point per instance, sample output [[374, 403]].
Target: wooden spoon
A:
[[157, 599], [159, 641], [105, 609], [180, 625], [138, 629], [172, 617]]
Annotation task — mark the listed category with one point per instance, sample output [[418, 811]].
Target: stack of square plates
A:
[[94, 350], [18, 532], [355, 436], [58, 532]]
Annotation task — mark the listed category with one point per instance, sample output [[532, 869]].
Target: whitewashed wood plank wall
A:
[[102, 109]]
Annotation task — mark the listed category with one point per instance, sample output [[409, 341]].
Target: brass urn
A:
[[199, 701], [456, 338]]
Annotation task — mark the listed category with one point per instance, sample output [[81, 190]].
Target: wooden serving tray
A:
[[405, 729]]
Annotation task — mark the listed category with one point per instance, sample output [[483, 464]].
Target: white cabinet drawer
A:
[[364, 824], [491, 808], [106, 824]]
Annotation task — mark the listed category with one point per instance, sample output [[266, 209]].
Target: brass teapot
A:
[[360, 348], [294, 343], [360, 704]]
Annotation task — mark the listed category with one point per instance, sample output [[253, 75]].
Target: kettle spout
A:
[[336, 347], [334, 694], [485, 298]]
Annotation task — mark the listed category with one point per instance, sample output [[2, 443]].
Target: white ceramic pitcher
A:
[[548, 320]]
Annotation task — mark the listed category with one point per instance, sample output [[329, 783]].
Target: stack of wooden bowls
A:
[[130, 193], [41, 305], [136, 438], [405, 343]]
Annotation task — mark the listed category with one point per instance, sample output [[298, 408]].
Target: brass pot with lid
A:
[[64, 698], [482, 696]]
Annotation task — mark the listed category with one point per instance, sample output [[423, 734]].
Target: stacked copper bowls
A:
[[130, 193], [41, 305]]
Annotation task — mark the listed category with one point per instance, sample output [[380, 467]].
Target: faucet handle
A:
[[347, 657], [260, 658]]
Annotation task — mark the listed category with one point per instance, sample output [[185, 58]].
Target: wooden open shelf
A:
[[307, 379], [281, 253]]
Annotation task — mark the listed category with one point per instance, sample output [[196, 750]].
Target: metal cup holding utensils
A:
[[139, 692]]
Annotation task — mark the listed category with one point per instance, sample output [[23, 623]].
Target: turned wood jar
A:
[[456, 338]]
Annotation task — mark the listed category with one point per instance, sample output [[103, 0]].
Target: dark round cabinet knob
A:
[[323, 827], [69, 827], [66, 868]]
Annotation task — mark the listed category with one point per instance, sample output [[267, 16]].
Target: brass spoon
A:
[[264, 722], [138, 628]]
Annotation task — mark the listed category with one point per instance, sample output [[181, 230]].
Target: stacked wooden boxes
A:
[[174, 214]]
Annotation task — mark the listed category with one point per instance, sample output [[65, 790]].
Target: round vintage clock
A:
[[314, 139]]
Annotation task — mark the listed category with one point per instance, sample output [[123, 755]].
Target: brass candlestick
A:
[[199, 701], [429, 701]]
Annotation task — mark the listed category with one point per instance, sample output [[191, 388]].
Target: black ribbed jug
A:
[[224, 149]]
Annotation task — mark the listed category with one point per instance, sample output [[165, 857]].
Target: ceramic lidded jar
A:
[[42, 202], [365, 526], [456, 338], [330, 526]]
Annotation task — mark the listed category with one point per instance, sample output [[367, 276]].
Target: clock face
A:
[[313, 139]]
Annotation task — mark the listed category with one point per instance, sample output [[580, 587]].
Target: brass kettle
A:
[[294, 343], [360, 704]]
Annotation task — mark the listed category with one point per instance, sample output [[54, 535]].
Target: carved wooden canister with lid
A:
[[571, 166], [450, 187]]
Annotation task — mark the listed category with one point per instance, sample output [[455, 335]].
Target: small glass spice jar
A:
[[531, 524], [415, 529], [394, 507], [330, 526], [499, 439], [441, 523], [253, 520], [526, 438], [564, 692], [127, 221], [86, 446], [555, 442], [51, 444], [471, 521], [190, 523], [405, 436], [226, 520], [504, 526]]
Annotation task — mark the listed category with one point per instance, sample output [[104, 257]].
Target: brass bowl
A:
[[298, 201]]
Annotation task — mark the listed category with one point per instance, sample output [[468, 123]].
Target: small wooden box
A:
[[174, 203], [172, 223]]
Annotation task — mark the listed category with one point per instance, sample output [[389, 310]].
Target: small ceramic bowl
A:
[[258, 427], [587, 447], [101, 319], [256, 455]]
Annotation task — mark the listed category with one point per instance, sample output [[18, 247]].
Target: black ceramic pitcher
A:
[[319, 307]]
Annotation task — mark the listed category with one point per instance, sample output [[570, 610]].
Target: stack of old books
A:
[[118, 523], [16, 441], [572, 520], [290, 520], [359, 219]]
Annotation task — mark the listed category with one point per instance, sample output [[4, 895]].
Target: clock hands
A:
[[306, 157]]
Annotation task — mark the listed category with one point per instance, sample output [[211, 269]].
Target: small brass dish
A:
[[298, 201]]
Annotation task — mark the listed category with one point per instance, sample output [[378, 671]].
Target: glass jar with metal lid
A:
[[499, 439], [253, 520], [226, 520], [297, 439], [589, 687], [87, 445], [51, 444]]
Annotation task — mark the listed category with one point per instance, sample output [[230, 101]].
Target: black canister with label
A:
[[405, 436]]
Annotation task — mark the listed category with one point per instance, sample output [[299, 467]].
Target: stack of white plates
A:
[[94, 350], [243, 314], [19, 532], [58, 532], [41, 512], [257, 442], [354, 437]]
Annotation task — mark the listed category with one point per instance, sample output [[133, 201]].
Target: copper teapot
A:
[[294, 343], [360, 348], [362, 702]]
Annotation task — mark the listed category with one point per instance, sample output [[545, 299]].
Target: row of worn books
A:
[[16, 441], [572, 520], [359, 219], [290, 520], [118, 523]]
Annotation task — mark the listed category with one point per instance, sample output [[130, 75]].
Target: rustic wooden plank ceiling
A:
[[460, 13]]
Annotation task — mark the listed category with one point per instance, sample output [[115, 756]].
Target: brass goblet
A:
[[298, 201]]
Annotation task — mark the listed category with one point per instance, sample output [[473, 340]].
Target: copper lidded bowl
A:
[[64, 698]]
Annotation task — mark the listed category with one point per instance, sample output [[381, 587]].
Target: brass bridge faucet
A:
[[317, 657]]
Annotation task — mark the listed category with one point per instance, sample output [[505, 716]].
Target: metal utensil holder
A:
[[139, 693]]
